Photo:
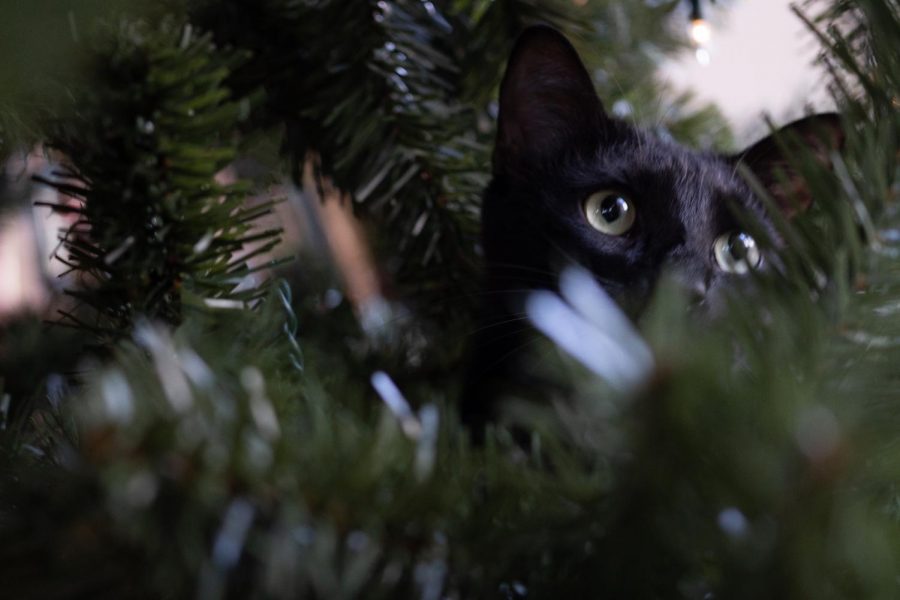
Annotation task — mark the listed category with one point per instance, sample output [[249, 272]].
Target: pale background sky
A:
[[761, 63]]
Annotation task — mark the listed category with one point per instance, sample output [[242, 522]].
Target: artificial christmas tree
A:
[[214, 440]]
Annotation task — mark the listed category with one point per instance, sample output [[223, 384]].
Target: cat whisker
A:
[[515, 350], [521, 267], [622, 93], [510, 335], [520, 318], [559, 249]]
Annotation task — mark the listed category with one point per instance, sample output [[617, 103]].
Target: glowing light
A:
[[700, 32], [702, 56]]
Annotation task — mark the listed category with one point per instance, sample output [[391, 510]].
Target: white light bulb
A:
[[700, 32], [702, 55]]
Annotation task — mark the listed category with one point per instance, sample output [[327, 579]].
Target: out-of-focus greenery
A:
[[141, 149], [38, 43], [757, 459]]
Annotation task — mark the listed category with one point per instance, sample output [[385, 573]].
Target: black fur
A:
[[556, 146]]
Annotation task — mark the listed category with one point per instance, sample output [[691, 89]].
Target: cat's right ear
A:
[[548, 105], [769, 159]]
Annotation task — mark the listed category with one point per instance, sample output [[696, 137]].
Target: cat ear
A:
[[547, 103], [822, 134]]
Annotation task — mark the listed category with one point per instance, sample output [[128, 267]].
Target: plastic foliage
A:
[[749, 456], [155, 230]]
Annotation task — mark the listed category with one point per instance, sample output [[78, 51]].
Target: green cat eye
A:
[[609, 212], [736, 252]]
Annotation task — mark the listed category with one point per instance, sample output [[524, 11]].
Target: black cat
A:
[[571, 184]]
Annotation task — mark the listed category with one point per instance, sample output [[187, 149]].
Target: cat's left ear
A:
[[822, 134]]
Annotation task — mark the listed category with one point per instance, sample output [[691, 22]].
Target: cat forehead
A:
[[641, 157]]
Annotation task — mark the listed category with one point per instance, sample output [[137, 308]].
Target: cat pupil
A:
[[611, 208], [739, 246], [736, 249]]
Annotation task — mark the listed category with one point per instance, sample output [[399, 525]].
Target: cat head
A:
[[572, 184]]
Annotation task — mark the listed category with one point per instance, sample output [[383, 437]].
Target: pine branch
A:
[[400, 117], [142, 149], [758, 458]]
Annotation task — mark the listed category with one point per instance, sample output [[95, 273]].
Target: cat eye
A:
[[609, 212], [736, 252]]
